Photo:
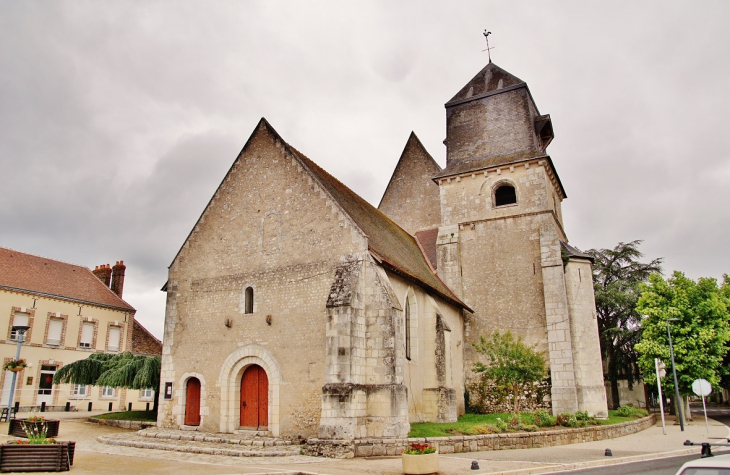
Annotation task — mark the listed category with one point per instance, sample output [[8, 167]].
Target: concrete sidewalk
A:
[[94, 457]]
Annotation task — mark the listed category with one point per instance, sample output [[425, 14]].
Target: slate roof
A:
[[575, 252], [50, 278], [396, 249], [487, 82]]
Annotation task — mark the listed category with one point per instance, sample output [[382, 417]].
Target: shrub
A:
[[543, 418], [500, 425], [631, 411], [481, 429]]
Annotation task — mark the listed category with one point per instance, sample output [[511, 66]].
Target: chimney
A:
[[103, 273], [118, 278]]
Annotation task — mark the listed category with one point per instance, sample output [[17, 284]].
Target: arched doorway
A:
[[254, 398], [192, 402]]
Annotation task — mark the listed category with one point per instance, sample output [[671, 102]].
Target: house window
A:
[[19, 320], [114, 337], [80, 390], [55, 328], [87, 335], [148, 393], [505, 195], [107, 391], [249, 300]]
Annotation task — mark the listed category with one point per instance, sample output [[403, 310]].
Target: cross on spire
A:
[[486, 37]]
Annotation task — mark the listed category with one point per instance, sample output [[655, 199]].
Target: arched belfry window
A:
[[249, 300], [505, 194]]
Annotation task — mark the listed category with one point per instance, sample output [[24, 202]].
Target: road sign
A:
[[701, 387]]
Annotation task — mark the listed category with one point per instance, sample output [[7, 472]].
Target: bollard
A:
[[110, 406], [17, 406], [89, 406], [130, 406], [43, 406], [148, 407], [68, 406]]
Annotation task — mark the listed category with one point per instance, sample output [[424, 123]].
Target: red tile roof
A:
[[427, 240], [42, 276]]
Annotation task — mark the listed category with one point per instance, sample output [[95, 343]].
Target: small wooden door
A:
[[192, 402], [254, 398]]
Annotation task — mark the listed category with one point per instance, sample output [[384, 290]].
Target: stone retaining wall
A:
[[475, 443], [135, 425]]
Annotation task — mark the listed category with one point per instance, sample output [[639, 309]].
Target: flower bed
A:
[[475, 443], [17, 427]]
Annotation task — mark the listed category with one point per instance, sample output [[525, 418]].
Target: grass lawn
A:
[[467, 421], [144, 416]]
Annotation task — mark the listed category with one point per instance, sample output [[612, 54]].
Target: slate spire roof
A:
[[50, 278], [491, 79]]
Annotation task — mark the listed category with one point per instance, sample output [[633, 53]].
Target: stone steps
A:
[[233, 445]]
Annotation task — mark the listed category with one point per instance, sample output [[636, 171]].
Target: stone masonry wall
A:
[[412, 198], [589, 383], [269, 227]]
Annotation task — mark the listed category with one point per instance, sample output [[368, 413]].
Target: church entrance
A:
[[254, 398], [192, 402]]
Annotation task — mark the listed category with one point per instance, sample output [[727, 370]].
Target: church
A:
[[296, 308]]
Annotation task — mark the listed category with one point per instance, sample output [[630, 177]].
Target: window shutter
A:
[[54, 331], [114, 333], [87, 335]]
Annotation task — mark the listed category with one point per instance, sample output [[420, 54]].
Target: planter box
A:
[[16, 427], [420, 464], [37, 458]]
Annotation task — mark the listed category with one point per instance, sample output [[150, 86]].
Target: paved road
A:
[[667, 466]]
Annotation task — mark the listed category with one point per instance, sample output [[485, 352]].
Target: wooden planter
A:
[[420, 464], [37, 458], [16, 427]]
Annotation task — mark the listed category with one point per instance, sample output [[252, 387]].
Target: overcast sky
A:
[[118, 119]]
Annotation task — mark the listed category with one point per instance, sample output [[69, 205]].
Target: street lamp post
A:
[[20, 332], [674, 372]]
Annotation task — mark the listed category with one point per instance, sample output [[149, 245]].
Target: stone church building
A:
[[294, 307]]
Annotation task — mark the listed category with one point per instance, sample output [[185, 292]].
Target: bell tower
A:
[[501, 244]]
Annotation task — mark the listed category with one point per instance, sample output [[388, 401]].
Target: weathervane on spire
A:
[[486, 37]]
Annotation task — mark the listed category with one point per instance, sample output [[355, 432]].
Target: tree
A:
[[617, 274], [122, 370], [699, 336], [512, 364]]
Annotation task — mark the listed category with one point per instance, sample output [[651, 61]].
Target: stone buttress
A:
[[364, 395]]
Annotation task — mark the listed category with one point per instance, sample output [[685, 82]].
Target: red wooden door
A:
[[254, 398], [192, 402]]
